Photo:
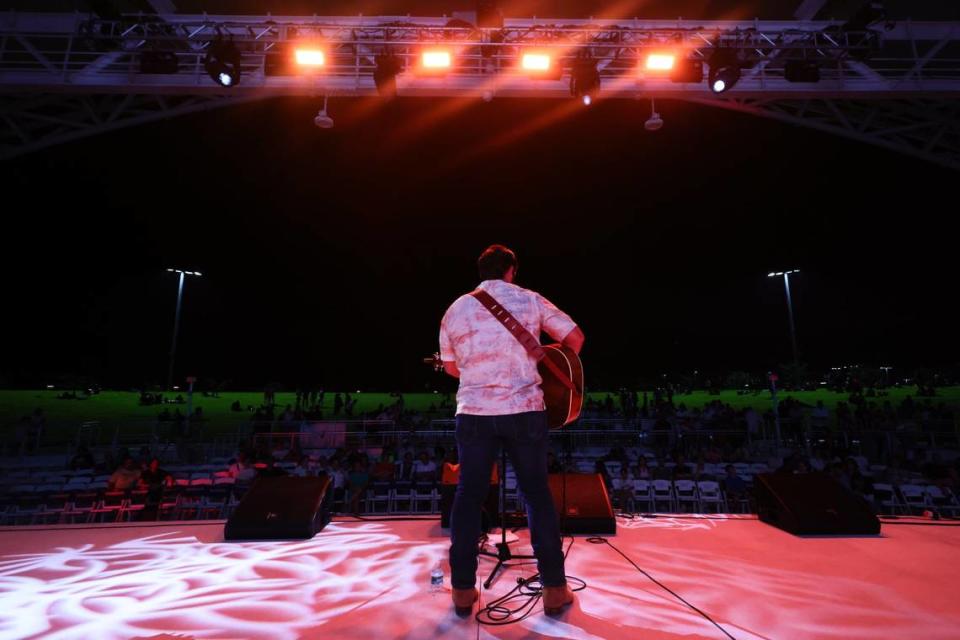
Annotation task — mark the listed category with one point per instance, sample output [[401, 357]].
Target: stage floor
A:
[[371, 580]]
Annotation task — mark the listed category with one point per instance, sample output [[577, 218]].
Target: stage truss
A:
[[68, 76]]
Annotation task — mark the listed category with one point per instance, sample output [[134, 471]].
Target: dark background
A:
[[330, 256]]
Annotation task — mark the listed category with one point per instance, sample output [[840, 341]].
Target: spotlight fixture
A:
[[222, 63], [385, 74], [436, 60], [540, 64], [584, 79], [660, 62], [801, 71], [535, 61], [322, 119], [310, 57], [654, 122], [724, 70]]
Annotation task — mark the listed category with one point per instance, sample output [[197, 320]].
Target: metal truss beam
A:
[[66, 76], [925, 129], [34, 122], [71, 52]]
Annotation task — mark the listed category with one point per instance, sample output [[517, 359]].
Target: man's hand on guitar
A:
[[439, 365]]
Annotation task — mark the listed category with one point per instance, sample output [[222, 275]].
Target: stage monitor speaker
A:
[[583, 506], [280, 508], [812, 504]]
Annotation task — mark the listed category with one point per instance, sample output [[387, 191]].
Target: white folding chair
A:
[[685, 492], [642, 494], [886, 498], [914, 497], [662, 494], [709, 493], [940, 500]]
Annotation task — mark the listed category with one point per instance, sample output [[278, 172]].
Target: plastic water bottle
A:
[[436, 578]]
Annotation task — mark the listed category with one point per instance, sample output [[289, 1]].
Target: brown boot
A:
[[556, 598], [463, 600]]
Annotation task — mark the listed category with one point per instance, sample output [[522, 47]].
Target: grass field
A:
[[111, 408]]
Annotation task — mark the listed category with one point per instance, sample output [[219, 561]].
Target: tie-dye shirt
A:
[[497, 375]]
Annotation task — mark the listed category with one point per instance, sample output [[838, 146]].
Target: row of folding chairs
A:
[[913, 498], [719, 469], [173, 503], [677, 496], [401, 497]]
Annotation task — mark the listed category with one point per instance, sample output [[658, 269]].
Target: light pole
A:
[[793, 330], [176, 321]]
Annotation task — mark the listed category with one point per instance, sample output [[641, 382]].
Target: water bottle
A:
[[436, 578]]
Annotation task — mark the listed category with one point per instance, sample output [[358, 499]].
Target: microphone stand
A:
[[503, 554]]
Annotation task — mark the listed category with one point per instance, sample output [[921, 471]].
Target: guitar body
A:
[[563, 404]]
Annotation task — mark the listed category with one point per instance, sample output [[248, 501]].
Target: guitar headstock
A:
[[435, 362]]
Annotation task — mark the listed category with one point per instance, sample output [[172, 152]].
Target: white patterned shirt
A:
[[497, 375]]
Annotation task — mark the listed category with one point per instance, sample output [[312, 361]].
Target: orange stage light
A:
[[436, 59], [660, 61], [535, 62], [310, 57]]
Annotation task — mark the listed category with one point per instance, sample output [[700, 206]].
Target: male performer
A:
[[500, 403]]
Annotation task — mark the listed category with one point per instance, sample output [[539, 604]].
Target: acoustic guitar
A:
[[563, 403]]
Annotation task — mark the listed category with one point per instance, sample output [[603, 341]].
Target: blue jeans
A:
[[479, 438]]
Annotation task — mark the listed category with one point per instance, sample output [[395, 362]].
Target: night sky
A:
[[330, 256]]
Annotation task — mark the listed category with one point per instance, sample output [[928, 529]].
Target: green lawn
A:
[[950, 395], [113, 408]]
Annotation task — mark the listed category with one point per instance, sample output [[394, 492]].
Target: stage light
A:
[[385, 74], [801, 71], [222, 63], [540, 64], [654, 122], [660, 61], [310, 57], [436, 60], [724, 70], [535, 62], [585, 79], [323, 120]]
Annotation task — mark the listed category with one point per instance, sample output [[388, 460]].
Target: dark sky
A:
[[329, 256]]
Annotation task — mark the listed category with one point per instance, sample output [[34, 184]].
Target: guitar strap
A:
[[524, 337]]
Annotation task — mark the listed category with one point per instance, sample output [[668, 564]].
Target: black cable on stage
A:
[[340, 518], [649, 516], [601, 540], [528, 591]]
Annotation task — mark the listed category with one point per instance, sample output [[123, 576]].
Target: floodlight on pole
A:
[[793, 330], [176, 320]]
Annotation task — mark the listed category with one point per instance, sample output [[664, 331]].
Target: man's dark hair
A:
[[495, 261]]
